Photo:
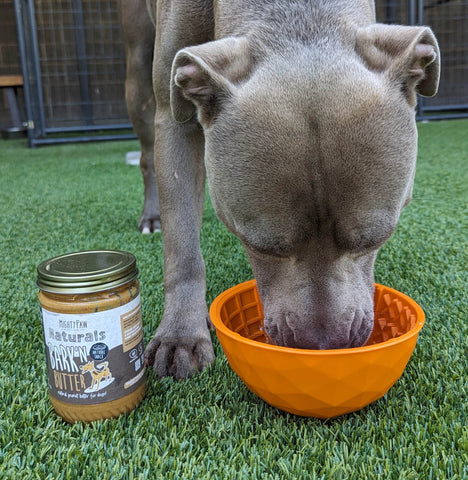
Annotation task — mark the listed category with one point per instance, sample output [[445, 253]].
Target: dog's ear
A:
[[204, 75], [408, 55]]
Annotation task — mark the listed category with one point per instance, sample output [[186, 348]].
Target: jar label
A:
[[94, 357]]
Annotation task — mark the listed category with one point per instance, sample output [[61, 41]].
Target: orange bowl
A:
[[316, 383]]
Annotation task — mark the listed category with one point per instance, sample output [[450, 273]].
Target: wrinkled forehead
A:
[[342, 123], [299, 113], [316, 92], [338, 111]]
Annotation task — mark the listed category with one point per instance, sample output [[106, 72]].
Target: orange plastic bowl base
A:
[[316, 383]]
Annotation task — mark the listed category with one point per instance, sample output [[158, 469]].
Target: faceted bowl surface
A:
[[316, 383]]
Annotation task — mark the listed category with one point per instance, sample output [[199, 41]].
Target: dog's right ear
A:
[[204, 75], [409, 56]]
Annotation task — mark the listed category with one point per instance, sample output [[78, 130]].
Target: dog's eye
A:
[[277, 249], [366, 236]]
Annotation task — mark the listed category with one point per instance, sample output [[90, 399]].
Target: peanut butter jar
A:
[[93, 333]]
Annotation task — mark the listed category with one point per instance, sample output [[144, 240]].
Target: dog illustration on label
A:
[[100, 374]]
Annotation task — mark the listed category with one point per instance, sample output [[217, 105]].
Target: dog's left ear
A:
[[409, 56], [204, 75]]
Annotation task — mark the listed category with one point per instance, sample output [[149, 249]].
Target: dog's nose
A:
[[289, 330]]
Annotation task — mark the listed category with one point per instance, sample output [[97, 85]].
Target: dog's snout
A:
[[310, 332]]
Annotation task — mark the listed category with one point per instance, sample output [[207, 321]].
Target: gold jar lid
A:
[[88, 271]]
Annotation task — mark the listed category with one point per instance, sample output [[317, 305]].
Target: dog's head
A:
[[310, 158]]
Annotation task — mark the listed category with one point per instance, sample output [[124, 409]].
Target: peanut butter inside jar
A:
[[93, 334]]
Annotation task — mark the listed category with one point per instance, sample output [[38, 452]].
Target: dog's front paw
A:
[[180, 356]]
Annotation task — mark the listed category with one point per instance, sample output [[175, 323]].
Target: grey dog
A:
[[301, 116]]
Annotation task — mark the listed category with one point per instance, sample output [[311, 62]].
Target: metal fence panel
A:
[[449, 21], [74, 59], [74, 68]]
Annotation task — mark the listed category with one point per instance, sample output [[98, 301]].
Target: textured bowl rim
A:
[[215, 311]]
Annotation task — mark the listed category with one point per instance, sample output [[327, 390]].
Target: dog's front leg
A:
[[182, 343]]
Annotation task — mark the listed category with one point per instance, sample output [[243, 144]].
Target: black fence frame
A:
[[37, 130], [40, 134], [423, 110]]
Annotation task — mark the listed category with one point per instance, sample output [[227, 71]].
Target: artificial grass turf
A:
[[66, 198]]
